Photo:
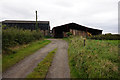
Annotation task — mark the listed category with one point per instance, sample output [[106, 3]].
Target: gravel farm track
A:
[[58, 69]]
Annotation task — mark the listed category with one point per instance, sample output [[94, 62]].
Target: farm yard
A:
[[28, 54], [60, 39]]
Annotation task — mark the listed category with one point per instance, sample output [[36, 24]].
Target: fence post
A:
[[84, 42]]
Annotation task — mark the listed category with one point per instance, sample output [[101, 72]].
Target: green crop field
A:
[[97, 59]]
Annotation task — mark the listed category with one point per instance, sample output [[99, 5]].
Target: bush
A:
[[14, 36], [68, 34], [105, 37]]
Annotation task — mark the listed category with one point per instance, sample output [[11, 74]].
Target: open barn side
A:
[[75, 29]]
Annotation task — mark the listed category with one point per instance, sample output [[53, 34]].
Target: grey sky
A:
[[100, 14]]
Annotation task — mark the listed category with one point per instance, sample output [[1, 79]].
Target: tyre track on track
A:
[[58, 69]]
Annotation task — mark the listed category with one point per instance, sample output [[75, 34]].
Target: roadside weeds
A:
[[10, 60]]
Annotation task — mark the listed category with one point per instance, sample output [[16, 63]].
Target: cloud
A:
[[100, 14]]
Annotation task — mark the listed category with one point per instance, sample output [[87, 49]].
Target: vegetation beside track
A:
[[97, 59], [18, 54]]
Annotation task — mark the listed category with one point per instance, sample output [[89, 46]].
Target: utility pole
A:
[[36, 26]]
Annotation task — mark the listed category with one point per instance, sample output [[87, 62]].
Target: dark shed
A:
[[75, 29], [44, 26]]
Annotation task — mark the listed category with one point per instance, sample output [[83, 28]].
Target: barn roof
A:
[[78, 25], [23, 21]]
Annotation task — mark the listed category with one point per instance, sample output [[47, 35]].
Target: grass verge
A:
[[98, 59], [11, 59], [42, 68]]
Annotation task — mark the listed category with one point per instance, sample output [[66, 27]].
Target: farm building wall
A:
[[75, 29], [78, 32], [30, 25], [45, 32]]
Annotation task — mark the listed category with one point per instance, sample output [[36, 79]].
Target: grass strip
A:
[[11, 59], [42, 68]]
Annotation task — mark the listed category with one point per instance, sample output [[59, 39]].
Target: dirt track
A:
[[58, 69]]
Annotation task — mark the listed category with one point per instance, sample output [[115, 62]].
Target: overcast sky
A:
[[99, 14]]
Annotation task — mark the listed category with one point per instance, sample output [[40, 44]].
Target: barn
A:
[[75, 29], [44, 26]]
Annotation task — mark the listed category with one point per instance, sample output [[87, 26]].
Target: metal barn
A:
[[75, 29], [44, 26]]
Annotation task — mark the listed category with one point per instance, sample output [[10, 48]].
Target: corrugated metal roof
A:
[[23, 21], [79, 25]]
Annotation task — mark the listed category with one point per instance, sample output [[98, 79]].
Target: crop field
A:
[[97, 59]]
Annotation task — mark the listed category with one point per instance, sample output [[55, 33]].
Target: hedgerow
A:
[[12, 36], [106, 37]]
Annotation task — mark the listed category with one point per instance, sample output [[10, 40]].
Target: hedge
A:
[[14, 36], [105, 37]]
